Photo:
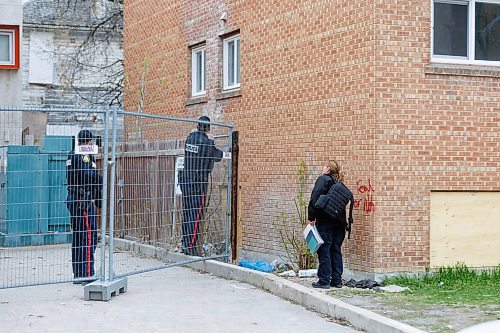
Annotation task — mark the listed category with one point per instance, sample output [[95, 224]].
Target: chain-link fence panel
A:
[[51, 194], [72, 180], [171, 191]]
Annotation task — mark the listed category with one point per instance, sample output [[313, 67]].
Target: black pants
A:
[[193, 213], [330, 253], [84, 241]]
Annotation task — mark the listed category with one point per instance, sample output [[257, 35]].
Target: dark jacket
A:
[[81, 172], [200, 154], [322, 185]]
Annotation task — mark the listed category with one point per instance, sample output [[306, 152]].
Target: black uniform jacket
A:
[[81, 171], [200, 154], [322, 185]]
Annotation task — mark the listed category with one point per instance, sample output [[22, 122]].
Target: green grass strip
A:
[[453, 285]]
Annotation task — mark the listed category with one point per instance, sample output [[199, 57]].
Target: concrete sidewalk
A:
[[177, 299], [307, 297]]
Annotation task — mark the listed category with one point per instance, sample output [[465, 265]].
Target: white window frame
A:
[[236, 63], [10, 33], [471, 39], [194, 72]]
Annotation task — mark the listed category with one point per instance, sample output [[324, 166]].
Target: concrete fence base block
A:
[[104, 290]]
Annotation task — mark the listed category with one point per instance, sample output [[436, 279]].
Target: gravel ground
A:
[[428, 317]]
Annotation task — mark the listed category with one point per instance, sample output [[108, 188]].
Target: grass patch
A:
[[453, 285]]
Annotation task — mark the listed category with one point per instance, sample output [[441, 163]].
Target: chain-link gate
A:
[[166, 202], [46, 236], [141, 210]]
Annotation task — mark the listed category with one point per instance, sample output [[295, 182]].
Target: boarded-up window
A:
[[41, 61], [465, 227]]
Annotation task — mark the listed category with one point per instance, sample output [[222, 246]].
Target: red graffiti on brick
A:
[[365, 196], [364, 188]]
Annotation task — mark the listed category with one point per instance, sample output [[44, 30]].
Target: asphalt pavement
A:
[[176, 299]]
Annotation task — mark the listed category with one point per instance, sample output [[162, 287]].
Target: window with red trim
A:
[[9, 46]]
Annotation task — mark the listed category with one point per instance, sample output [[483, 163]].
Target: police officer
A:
[[84, 185], [200, 154]]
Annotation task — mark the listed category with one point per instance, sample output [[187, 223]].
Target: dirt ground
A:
[[428, 317]]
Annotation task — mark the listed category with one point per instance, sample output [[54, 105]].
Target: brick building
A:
[[402, 93]]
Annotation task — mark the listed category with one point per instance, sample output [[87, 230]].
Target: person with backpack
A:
[[331, 229]]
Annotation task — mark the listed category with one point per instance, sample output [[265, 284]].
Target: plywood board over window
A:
[[41, 65], [465, 227]]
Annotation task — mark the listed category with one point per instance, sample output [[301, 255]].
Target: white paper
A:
[[312, 237]]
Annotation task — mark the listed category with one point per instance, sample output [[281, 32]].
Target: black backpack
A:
[[335, 201]]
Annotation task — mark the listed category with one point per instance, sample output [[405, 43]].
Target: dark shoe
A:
[[336, 285], [320, 286], [77, 279], [84, 280], [90, 280]]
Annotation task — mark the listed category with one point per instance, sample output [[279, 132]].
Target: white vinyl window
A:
[[7, 54], [198, 71], [466, 31], [231, 70]]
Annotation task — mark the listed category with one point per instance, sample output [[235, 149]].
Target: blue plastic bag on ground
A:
[[259, 265]]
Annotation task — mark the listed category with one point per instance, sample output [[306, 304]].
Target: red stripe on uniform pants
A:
[[193, 237], [89, 240]]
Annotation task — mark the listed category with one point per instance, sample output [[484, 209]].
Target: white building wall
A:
[[11, 13]]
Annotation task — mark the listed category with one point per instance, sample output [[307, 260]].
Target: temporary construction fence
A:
[[37, 233], [142, 208], [153, 207]]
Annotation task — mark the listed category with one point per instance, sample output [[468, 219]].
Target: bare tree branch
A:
[[96, 64]]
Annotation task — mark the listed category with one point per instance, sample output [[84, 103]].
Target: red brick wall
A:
[[349, 80], [436, 133]]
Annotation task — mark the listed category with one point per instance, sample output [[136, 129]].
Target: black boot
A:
[[320, 285]]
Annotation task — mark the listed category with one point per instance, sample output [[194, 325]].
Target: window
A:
[[231, 70], [466, 31], [9, 47], [198, 71]]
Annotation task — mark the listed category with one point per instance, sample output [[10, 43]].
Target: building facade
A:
[[404, 94], [11, 23], [66, 65]]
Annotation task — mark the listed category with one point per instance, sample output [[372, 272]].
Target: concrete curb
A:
[[312, 299], [307, 297]]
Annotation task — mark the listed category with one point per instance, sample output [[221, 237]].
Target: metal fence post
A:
[[228, 195], [104, 290], [112, 196], [234, 194], [104, 196]]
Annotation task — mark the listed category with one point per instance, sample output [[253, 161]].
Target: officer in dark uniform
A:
[[84, 188], [200, 154]]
